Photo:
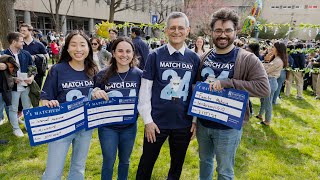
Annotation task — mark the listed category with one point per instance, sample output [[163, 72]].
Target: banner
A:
[[118, 110], [226, 107], [46, 124]]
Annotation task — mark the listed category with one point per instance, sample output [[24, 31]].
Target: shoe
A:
[[18, 133], [1, 122], [3, 141], [300, 98], [263, 123], [259, 117]]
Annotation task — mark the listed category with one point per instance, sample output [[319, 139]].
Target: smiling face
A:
[[223, 34], [177, 31], [199, 43], [78, 48], [123, 54]]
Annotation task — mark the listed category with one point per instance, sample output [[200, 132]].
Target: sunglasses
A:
[[94, 44]]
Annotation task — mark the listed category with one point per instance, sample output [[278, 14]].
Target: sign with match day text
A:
[[226, 107], [46, 124], [117, 110]]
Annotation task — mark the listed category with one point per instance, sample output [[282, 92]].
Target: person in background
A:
[[199, 46], [100, 56], [275, 61], [113, 34], [37, 50], [20, 89], [141, 47], [75, 65], [55, 51], [118, 137], [299, 63]]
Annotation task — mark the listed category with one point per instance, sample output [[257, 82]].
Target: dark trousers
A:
[[39, 79], [179, 140]]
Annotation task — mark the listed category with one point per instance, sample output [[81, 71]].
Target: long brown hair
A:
[[90, 68], [196, 48], [112, 69], [282, 52]]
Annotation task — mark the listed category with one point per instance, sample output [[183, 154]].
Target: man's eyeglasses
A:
[[180, 28], [94, 44], [219, 32]]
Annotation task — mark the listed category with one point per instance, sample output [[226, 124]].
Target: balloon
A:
[[248, 24], [256, 8]]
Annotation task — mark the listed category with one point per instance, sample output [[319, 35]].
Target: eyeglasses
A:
[[219, 32], [180, 28], [94, 44]]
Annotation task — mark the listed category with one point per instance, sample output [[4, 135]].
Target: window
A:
[[277, 7], [98, 1], [272, 7], [284, 7]]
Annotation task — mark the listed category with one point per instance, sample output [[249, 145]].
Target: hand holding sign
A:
[[226, 106]]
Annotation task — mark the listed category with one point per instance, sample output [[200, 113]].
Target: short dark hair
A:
[[299, 46], [136, 30], [13, 36], [113, 30], [30, 28], [225, 14], [255, 47]]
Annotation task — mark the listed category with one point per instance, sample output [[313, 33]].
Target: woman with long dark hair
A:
[[75, 66], [274, 63], [199, 46], [121, 79]]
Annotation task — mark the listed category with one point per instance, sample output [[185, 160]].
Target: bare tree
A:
[[163, 7], [119, 5], [54, 8], [7, 20]]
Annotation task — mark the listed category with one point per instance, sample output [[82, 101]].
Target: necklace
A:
[[122, 79]]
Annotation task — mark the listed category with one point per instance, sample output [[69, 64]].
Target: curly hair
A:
[[225, 14]]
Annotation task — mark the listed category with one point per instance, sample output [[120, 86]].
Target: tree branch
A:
[[45, 6]]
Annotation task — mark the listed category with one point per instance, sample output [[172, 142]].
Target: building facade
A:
[[84, 14], [293, 12]]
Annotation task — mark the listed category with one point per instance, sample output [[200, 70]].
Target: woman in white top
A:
[[100, 56]]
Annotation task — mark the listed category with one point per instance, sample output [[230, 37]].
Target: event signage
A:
[[114, 111], [226, 107], [46, 124]]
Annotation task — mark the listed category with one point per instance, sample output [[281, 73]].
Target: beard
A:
[[224, 44]]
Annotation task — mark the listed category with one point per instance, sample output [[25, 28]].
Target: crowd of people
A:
[[260, 68]]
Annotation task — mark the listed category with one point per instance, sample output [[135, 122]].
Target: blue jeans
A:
[[2, 105], [218, 143], [111, 140], [280, 81], [58, 150], [266, 102], [13, 109]]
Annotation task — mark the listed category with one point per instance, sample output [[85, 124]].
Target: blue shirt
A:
[[115, 87], [63, 83], [35, 47], [141, 50], [219, 66], [172, 76], [25, 59]]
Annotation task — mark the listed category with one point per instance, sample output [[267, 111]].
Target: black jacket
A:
[[6, 78]]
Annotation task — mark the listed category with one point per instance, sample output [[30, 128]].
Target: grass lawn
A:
[[289, 149]]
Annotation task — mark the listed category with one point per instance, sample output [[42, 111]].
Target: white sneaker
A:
[[18, 133], [1, 122]]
